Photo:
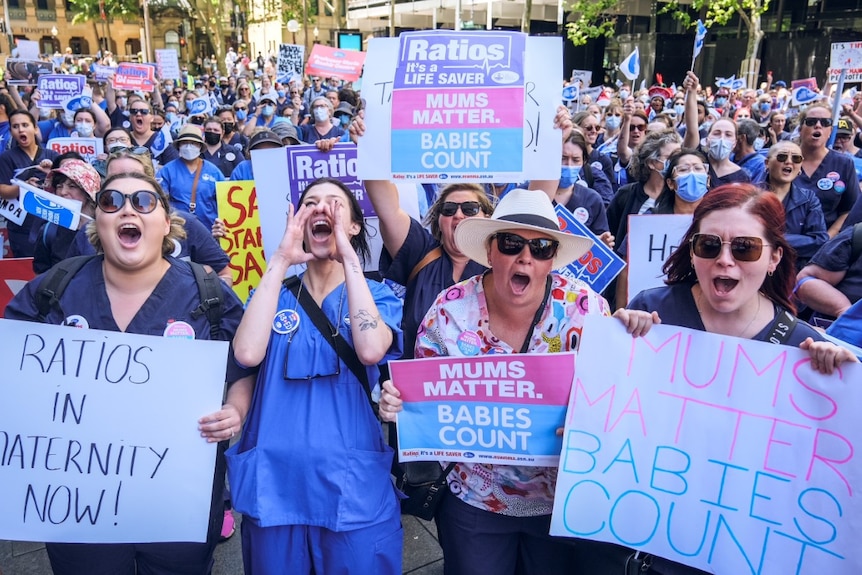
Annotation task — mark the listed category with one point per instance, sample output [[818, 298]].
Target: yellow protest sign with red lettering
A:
[[237, 208]]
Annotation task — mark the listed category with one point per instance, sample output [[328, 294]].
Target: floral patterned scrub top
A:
[[514, 490]]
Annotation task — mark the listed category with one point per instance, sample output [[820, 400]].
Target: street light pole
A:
[[147, 47]]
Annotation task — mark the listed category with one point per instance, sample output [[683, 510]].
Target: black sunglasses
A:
[[742, 248], [811, 122], [638, 127], [469, 209], [782, 157], [142, 201], [511, 244], [139, 111]]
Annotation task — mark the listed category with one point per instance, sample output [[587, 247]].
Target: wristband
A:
[[800, 282]]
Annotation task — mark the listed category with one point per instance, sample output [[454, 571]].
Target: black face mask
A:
[[228, 127], [211, 138]]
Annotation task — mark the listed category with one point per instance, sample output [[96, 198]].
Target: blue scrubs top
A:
[[836, 256], [676, 306], [318, 457], [835, 183], [178, 181]]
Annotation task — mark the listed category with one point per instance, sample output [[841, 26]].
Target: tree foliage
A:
[[596, 18], [91, 11]]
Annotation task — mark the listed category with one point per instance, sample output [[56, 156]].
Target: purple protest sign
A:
[[443, 59], [306, 163]]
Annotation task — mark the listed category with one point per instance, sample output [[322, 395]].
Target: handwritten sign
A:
[[130, 76], [89, 148], [11, 209], [50, 207], [540, 143], [57, 89], [582, 78], [846, 55], [306, 163], [652, 238], [237, 207], [168, 64], [14, 274], [728, 455], [491, 409], [23, 72], [600, 265], [458, 106], [290, 59], [329, 62], [82, 459]]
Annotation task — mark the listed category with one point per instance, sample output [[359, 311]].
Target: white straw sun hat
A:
[[519, 210]]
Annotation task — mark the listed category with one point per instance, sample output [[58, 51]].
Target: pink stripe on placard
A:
[[458, 108], [540, 379]]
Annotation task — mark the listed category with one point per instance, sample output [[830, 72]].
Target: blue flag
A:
[[699, 37], [631, 66]]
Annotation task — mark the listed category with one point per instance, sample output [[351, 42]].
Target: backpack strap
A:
[[55, 281], [210, 290], [429, 257]]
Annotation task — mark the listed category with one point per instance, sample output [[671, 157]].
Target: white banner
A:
[[99, 438], [729, 455], [652, 238]]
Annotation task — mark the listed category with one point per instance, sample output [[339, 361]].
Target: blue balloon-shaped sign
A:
[[198, 106]]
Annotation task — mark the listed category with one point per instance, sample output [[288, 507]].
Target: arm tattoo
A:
[[356, 269], [366, 320]]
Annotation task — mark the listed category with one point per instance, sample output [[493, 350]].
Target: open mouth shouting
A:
[[129, 235], [724, 285], [520, 283], [321, 229]]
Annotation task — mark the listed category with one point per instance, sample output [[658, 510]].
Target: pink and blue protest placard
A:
[[458, 106], [492, 409], [729, 455], [600, 265], [306, 164]]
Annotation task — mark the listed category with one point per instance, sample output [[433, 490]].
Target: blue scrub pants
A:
[[477, 541], [131, 558], [304, 549]]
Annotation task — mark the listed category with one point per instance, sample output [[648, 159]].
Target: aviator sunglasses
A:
[[142, 201], [469, 209], [742, 248], [511, 244], [782, 157]]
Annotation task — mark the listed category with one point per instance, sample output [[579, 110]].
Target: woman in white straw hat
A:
[[498, 520]]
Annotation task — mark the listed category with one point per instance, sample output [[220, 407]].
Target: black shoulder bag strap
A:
[[324, 326], [782, 326], [55, 281], [210, 291]]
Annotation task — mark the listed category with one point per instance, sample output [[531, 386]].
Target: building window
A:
[[14, 3], [79, 45], [172, 40], [49, 45]]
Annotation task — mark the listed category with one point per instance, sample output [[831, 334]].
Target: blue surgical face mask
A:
[[281, 93], [758, 144], [241, 115], [624, 94], [613, 122], [344, 120], [569, 175], [720, 101], [679, 109], [267, 111], [691, 187], [765, 107], [719, 149]]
